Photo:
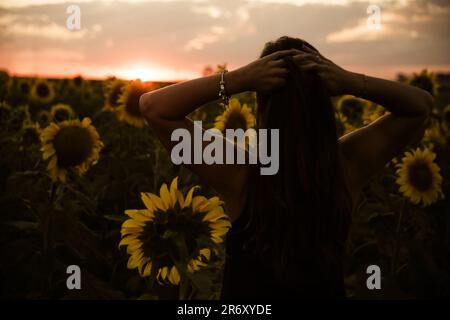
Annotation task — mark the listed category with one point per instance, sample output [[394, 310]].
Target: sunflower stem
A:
[[46, 240], [397, 237], [183, 291], [46, 230]]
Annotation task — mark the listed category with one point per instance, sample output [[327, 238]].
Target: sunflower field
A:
[[85, 182]]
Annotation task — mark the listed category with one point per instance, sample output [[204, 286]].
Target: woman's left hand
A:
[[337, 80]]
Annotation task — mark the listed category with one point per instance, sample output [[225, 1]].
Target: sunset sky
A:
[[175, 39]]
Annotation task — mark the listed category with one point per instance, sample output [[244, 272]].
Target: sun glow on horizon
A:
[[151, 73], [143, 74]]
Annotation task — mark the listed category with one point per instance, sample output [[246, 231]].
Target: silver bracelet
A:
[[222, 92]]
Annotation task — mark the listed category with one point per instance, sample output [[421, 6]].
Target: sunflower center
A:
[[236, 121], [73, 145], [420, 176], [42, 90], [43, 119], [352, 109], [62, 114], [172, 232]]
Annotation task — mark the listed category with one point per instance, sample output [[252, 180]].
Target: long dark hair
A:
[[300, 216]]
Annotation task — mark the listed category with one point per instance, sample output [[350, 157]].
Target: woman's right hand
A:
[[337, 80], [267, 73]]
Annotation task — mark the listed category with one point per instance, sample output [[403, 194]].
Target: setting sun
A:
[[147, 72], [144, 73]]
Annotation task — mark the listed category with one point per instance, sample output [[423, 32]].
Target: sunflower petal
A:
[[180, 199], [205, 252], [198, 202], [159, 204], [134, 260], [174, 276], [173, 192], [219, 224], [131, 223], [165, 196], [127, 240], [214, 214], [147, 270], [139, 215], [210, 204], [86, 122], [188, 200]]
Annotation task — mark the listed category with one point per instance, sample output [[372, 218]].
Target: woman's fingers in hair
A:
[[309, 66], [275, 79], [279, 71], [277, 63], [307, 49], [314, 53], [304, 57], [277, 82], [281, 53]]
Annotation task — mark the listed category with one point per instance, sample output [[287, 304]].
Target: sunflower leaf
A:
[[147, 296]]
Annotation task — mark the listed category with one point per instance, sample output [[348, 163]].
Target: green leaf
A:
[[22, 225], [148, 296]]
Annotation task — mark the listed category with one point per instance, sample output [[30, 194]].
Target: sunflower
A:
[[70, 144], [235, 117], [30, 134], [221, 67], [43, 118], [199, 114], [426, 81], [113, 91], [77, 82], [342, 125], [61, 112], [352, 108], [434, 134], [24, 87], [19, 116], [419, 177], [128, 109], [370, 116], [42, 92], [173, 235]]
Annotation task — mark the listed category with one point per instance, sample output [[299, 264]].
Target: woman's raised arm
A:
[[176, 101], [166, 109], [368, 149]]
